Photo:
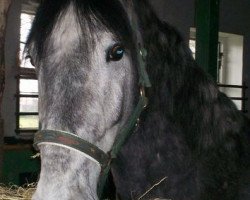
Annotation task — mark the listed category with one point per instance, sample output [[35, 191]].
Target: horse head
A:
[[88, 85]]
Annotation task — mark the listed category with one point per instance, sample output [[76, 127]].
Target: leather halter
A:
[[72, 141]]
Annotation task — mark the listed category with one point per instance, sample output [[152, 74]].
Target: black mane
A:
[[197, 132]]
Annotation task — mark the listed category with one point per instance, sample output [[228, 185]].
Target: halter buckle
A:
[[143, 96]]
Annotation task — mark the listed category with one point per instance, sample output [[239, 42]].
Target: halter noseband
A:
[[72, 141]]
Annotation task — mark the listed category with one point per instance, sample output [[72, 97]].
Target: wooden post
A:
[[207, 28], [4, 7]]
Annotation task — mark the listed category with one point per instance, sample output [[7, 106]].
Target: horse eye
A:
[[116, 53]]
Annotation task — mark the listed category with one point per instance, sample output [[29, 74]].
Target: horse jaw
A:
[[65, 175]]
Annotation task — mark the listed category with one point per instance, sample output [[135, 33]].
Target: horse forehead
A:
[[68, 33]]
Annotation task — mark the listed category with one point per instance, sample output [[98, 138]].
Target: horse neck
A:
[[66, 174]]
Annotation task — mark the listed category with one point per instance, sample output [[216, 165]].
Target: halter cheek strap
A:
[[73, 142]]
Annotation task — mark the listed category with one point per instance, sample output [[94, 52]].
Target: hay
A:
[[14, 192]]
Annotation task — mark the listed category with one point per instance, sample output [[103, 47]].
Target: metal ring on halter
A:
[[143, 96]]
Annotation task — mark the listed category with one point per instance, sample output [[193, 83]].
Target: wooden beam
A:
[[4, 7], [207, 28]]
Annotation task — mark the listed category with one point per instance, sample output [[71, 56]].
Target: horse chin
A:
[[66, 174]]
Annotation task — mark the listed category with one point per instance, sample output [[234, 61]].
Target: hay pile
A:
[[14, 192]]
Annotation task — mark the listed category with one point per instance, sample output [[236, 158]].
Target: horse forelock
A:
[[84, 18]]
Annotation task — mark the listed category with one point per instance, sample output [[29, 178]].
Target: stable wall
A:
[[235, 18]]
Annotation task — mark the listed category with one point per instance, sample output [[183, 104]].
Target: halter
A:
[[73, 142]]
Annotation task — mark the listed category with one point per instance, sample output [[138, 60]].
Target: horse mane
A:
[[183, 91], [185, 101]]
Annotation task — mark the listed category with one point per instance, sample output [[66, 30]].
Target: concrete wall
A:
[[234, 18], [232, 65]]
